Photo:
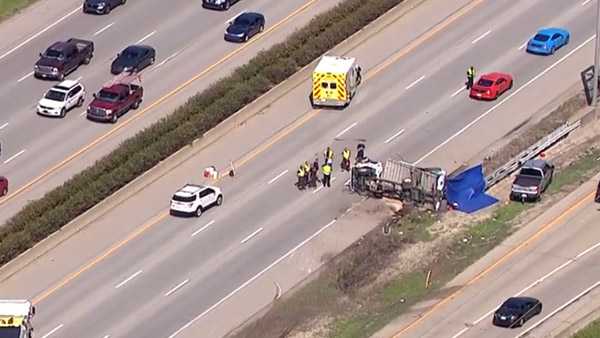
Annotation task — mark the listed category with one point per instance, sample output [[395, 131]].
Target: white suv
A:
[[62, 97], [192, 200]]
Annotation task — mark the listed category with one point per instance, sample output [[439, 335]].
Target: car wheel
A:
[[123, 2], [246, 38], [152, 60], [4, 191], [521, 322], [61, 76], [80, 101], [553, 50], [63, 112], [199, 211], [114, 118], [219, 200], [261, 28], [107, 9], [226, 5], [510, 85], [539, 308], [87, 60], [136, 104]]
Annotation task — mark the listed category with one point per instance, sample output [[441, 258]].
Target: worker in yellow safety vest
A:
[[346, 159], [328, 155], [326, 169], [470, 77], [301, 177]]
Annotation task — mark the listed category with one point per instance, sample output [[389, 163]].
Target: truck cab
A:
[[62, 58], [533, 179], [116, 98], [15, 318]]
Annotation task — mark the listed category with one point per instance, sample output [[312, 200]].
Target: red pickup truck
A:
[[116, 98], [3, 186]]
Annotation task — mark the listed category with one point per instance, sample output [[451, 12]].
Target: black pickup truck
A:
[[62, 58], [533, 179]]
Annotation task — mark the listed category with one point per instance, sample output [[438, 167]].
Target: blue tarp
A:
[[466, 190]]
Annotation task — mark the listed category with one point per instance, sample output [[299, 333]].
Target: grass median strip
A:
[[11, 7], [592, 330]]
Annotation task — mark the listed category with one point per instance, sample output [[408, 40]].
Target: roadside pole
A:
[[596, 62]]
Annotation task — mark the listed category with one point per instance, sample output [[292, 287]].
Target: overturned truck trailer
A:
[[400, 180]]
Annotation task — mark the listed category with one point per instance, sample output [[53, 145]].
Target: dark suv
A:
[[101, 6], [218, 4]]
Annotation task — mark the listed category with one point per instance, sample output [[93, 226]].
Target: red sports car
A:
[[490, 86]]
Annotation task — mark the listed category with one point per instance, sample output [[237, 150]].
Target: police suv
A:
[[193, 200]]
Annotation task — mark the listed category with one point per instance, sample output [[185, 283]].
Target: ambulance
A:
[[15, 318], [335, 81]]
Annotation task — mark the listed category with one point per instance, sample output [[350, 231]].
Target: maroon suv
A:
[[3, 186], [115, 99]]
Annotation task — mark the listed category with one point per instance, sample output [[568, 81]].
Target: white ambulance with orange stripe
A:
[[335, 81]]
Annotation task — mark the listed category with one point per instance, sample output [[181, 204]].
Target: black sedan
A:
[[218, 4], [101, 6], [133, 59], [245, 26], [515, 311]]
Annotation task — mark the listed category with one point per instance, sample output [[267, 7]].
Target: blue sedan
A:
[[548, 40]]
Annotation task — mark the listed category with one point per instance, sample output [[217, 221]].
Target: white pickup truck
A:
[[61, 98]]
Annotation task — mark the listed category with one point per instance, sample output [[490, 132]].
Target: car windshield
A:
[[530, 172], [541, 37], [184, 198], [242, 21], [51, 53], [10, 332], [130, 54], [108, 96], [55, 95], [485, 83]]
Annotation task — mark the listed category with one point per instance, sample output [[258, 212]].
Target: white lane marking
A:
[[177, 287], [391, 138], [40, 32], [103, 29], [536, 282], [203, 228], [458, 91], [585, 2], [4, 126], [168, 58], [53, 331], [345, 130], [83, 113], [481, 37], [128, 279], [518, 90], [107, 336], [318, 189], [249, 237], [414, 83], [255, 277], [557, 310], [460, 332], [277, 177], [25, 76], [523, 45], [146, 37], [14, 156]]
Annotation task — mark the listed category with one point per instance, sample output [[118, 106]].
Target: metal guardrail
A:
[[529, 153]]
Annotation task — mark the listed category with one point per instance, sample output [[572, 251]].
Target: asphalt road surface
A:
[[171, 278], [188, 40]]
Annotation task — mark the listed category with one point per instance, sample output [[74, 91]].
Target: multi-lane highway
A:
[[173, 277], [554, 259], [40, 153]]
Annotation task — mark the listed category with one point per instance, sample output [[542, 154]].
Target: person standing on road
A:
[[345, 159], [326, 168], [470, 77], [306, 168], [328, 155], [301, 178], [314, 170]]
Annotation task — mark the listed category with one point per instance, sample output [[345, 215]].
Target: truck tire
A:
[[114, 118], [108, 9], [4, 192], [219, 200], [199, 211], [63, 113], [136, 104], [61, 76], [226, 5]]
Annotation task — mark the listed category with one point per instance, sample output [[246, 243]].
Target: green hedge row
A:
[[200, 113]]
